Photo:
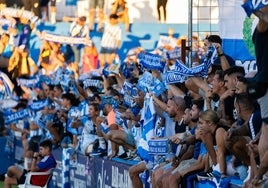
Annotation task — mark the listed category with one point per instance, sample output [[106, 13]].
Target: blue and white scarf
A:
[[147, 83], [172, 77], [15, 13], [11, 117], [152, 61], [109, 100], [254, 5], [92, 83], [38, 105], [28, 82], [66, 39]]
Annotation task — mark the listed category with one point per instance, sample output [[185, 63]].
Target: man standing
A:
[[111, 40], [78, 29], [93, 5], [53, 11], [163, 4], [260, 40]]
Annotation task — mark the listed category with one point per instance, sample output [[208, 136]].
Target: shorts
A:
[[93, 4], [22, 179], [130, 139], [106, 55], [184, 165], [148, 164], [167, 166], [162, 3], [105, 50], [264, 107]]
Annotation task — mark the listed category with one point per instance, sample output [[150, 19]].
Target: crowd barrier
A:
[[7, 155], [85, 172], [92, 172]]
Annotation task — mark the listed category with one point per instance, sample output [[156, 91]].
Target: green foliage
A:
[[247, 36]]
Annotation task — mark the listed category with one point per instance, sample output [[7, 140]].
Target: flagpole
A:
[[190, 30]]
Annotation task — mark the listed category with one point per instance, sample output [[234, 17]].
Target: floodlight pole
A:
[[190, 31]]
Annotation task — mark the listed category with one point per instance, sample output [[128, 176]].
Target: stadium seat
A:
[[47, 177]]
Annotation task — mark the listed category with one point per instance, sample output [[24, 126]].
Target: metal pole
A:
[[190, 31], [183, 51]]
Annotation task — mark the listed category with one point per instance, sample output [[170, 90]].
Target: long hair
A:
[[212, 116]]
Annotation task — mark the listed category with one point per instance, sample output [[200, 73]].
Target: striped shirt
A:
[[77, 30], [36, 132], [112, 34], [3, 93]]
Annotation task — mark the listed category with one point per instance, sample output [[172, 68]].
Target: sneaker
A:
[[131, 155], [123, 156], [137, 158], [98, 152], [205, 175]]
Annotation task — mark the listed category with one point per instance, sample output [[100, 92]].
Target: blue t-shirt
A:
[[192, 131], [197, 144], [230, 60], [197, 147], [47, 163], [203, 150], [255, 123]]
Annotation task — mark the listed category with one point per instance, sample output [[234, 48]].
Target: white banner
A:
[[231, 18], [66, 39], [16, 13]]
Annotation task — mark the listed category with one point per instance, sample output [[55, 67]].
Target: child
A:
[[90, 59], [42, 161]]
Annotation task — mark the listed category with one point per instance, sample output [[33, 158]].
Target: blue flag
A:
[[253, 5], [152, 61], [15, 116], [148, 117], [38, 105]]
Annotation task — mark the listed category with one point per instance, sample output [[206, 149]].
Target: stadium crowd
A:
[[210, 115]]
